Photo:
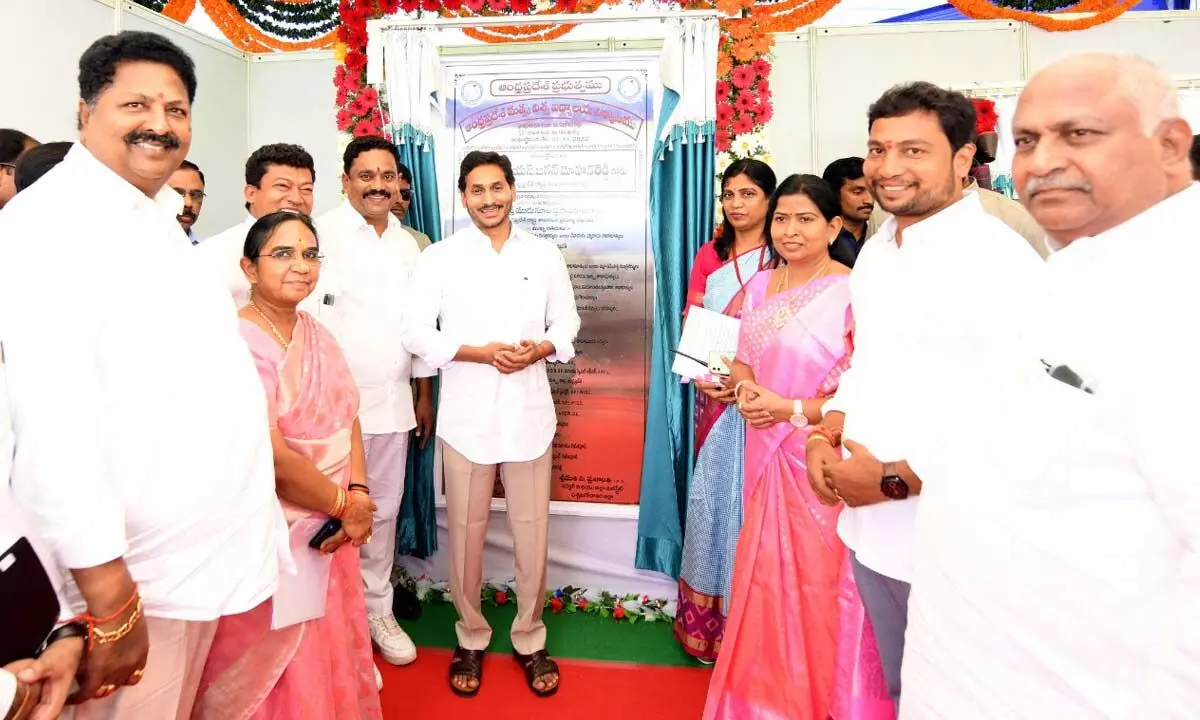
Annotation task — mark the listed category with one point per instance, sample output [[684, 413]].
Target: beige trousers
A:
[[468, 507], [178, 651]]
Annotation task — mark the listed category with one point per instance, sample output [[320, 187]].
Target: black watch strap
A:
[[62, 632]]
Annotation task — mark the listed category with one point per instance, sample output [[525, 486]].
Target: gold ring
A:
[[105, 690], [136, 677], [368, 538]]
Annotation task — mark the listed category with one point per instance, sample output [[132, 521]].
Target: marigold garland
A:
[[1102, 12]]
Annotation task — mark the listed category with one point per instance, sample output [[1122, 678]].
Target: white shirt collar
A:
[[949, 217], [1175, 208], [114, 190], [352, 219]]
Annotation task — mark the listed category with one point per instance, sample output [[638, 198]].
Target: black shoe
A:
[[405, 605]]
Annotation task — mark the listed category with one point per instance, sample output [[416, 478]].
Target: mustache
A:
[[168, 141], [377, 193], [1054, 182], [188, 214]]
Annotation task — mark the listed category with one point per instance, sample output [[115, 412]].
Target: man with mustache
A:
[[490, 306], [279, 176], [933, 298], [143, 446], [845, 177], [188, 181], [404, 201], [1057, 558], [372, 257]]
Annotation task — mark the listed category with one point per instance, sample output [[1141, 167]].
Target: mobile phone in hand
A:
[[327, 531]]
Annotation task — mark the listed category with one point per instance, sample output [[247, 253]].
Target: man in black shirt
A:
[[845, 177]]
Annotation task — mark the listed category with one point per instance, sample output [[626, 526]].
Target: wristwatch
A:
[[798, 418], [892, 485]]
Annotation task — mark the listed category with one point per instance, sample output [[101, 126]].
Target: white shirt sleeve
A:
[[420, 331], [562, 317], [61, 471]]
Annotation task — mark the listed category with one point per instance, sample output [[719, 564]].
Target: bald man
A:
[[1056, 562]]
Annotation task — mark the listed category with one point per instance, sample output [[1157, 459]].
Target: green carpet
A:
[[575, 635]]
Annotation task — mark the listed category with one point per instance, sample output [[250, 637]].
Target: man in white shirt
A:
[[138, 461], [489, 306], [278, 177], [1057, 566], [188, 181], [372, 257], [929, 299]]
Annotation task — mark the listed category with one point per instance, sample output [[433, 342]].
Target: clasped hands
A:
[[761, 407], [509, 359], [853, 480], [356, 523]]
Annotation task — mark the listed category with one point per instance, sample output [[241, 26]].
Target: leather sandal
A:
[[537, 665], [466, 664]]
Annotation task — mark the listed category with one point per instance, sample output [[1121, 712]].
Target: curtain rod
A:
[[563, 19]]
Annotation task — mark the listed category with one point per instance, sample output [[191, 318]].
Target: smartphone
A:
[[717, 364], [29, 601], [327, 531]]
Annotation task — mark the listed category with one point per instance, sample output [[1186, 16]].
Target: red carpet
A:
[[588, 689]]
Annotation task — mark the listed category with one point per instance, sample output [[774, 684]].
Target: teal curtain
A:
[[417, 530], [681, 220]]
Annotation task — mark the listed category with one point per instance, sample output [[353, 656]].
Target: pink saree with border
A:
[[797, 643], [317, 669]]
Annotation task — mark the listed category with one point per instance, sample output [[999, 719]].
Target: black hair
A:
[[12, 144], [404, 173], [810, 186], [360, 145], [189, 165], [98, 64], [479, 158], [264, 228], [955, 112], [1195, 157], [841, 171], [37, 161], [284, 154], [761, 175]]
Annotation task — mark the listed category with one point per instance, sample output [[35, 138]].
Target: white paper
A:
[[704, 332], [301, 597]]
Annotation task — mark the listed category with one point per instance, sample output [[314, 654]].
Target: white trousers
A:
[[387, 457]]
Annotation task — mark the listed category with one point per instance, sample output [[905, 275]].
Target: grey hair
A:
[[1143, 83]]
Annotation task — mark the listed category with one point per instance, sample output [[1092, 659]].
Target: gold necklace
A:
[[274, 330], [784, 314]]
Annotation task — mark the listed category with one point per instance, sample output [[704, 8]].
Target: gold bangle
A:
[[819, 436], [102, 637]]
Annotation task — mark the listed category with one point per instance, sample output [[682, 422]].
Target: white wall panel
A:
[[791, 126]]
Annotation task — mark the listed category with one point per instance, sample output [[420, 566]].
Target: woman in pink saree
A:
[[305, 655], [797, 643]]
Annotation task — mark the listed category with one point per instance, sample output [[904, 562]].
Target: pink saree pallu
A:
[[306, 653], [797, 645]]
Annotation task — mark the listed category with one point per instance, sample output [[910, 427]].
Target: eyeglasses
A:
[[196, 196], [8, 167], [311, 256], [405, 195]]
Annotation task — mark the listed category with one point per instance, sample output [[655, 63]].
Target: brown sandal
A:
[[468, 664], [537, 665]]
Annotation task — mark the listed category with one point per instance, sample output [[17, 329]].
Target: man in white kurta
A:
[[279, 176], [1057, 552], [372, 257], [141, 429], [490, 305]]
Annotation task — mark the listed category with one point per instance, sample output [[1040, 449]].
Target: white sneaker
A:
[[378, 680], [394, 644]]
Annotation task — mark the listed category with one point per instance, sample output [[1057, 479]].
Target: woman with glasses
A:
[[306, 654]]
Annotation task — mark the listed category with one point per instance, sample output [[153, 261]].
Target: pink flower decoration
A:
[[724, 114], [342, 97], [765, 113], [344, 119], [723, 139], [744, 101], [723, 91], [742, 125], [369, 96], [497, 5], [359, 107], [474, 5], [762, 68], [429, 5], [365, 128], [742, 77]]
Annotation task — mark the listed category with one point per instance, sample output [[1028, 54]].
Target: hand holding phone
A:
[[327, 531]]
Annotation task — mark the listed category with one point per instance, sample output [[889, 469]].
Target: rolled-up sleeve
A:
[[61, 470], [562, 317], [419, 328]]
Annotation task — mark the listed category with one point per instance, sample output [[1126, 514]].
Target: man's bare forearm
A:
[[106, 588]]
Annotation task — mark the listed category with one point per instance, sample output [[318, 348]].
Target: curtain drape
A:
[[409, 88], [681, 220]]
